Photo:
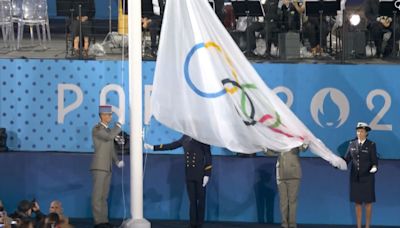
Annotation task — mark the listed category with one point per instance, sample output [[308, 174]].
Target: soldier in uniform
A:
[[103, 158], [288, 175], [198, 171], [364, 162]]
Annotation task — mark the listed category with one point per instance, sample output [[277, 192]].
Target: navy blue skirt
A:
[[363, 190]]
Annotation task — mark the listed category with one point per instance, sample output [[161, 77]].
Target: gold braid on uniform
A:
[[208, 167]]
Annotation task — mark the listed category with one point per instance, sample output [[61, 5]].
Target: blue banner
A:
[[52, 105]]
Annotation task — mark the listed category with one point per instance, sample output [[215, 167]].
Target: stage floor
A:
[[246, 193], [84, 223], [56, 49]]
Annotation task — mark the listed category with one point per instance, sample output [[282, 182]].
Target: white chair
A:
[[33, 13], [6, 24], [47, 23]]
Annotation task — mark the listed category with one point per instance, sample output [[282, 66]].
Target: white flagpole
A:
[[135, 103]]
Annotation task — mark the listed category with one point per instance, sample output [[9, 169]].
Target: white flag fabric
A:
[[205, 87]]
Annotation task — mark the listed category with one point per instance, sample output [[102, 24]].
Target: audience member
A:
[[56, 207], [151, 21], [25, 210], [316, 33], [83, 23], [266, 26], [52, 221], [4, 220], [25, 224], [291, 12], [380, 28]]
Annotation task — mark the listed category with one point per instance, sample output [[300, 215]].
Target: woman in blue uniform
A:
[[361, 153]]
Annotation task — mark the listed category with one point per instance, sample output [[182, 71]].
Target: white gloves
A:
[[373, 169], [205, 180], [120, 164], [306, 144], [148, 146], [120, 140], [268, 152]]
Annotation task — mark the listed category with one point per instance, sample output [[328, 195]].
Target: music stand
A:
[[80, 31], [390, 8], [248, 8], [322, 8], [110, 33], [63, 10]]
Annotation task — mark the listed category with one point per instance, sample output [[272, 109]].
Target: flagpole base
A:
[[136, 223]]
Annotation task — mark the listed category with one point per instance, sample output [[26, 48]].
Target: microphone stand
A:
[[394, 53], [80, 32], [67, 22]]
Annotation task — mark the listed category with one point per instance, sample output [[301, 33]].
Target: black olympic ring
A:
[[252, 110]]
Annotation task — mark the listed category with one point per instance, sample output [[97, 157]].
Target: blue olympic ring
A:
[[189, 80]]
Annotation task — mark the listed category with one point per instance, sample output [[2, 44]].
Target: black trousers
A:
[[312, 31], [197, 198], [86, 28], [270, 31], [376, 30], [154, 28]]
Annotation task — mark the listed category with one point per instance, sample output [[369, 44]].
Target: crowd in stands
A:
[[29, 215]]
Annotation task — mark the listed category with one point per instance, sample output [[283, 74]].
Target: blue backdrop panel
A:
[[29, 102], [240, 189], [366, 93], [329, 99]]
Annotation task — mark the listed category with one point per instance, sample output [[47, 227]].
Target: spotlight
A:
[[355, 19]]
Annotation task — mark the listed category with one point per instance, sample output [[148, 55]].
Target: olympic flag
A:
[[204, 87]]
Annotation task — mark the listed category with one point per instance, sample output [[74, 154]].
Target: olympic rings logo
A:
[[397, 4], [232, 86]]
